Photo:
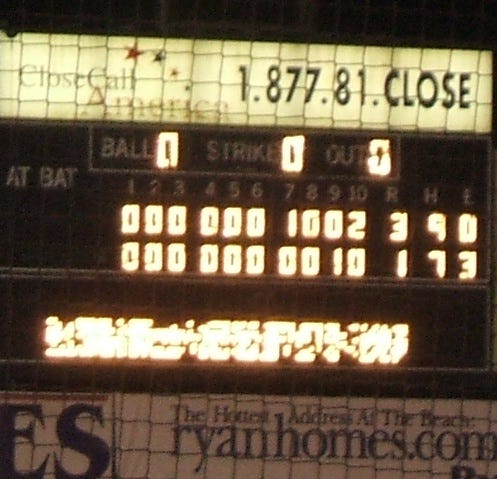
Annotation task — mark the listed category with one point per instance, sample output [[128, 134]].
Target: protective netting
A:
[[130, 436], [166, 246], [227, 82]]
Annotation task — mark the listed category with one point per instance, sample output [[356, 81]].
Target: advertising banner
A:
[[47, 435], [228, 82], [242, 436]]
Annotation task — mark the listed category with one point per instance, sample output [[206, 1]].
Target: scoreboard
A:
[[245, 227]]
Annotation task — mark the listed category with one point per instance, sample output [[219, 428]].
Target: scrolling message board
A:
[[246, 245]]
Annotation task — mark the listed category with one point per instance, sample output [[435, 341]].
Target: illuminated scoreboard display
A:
[[276, 204]]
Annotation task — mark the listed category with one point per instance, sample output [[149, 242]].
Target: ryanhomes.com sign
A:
[[83, 77], [250, 437]]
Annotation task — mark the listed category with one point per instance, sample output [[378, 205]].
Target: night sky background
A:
[[468, 22]]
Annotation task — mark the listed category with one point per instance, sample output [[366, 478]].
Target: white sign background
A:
[[82, 77], [254, 437]]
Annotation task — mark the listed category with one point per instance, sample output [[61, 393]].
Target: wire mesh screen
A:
[[247, 238]]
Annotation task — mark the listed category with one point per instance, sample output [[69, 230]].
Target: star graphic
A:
[[133, 52], [160, 56]]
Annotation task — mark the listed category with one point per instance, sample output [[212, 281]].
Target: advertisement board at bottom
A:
[[190, 436]]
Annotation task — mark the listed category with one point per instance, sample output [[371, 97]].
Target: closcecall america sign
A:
[[83, 77], [225, 436]]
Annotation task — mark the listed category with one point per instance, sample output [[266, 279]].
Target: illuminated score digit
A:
[[130, 256], [399, 226], [311, 223], [130, 219], [176, 220], [232, 222], [436, 224], [292, 153], [232, 259], [209, 258], [256, 222], [469, 262], [287, 260], [379, 162], [351, 262], [292, 223], [310, 260], [333, 224], [467, 228], [176, 257], [439, 259], [152, 257], [337, 261], [402, 263], [209, 221], [357, 226], [154, 219], [255, 260]]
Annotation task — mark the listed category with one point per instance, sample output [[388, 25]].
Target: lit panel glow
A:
[[172, 243], [223, 340], [242, 83], [311, 236]]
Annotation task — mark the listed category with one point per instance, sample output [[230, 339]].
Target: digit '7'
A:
[[295, 71]]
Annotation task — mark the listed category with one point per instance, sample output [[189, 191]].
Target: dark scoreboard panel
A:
[[256, 246]]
